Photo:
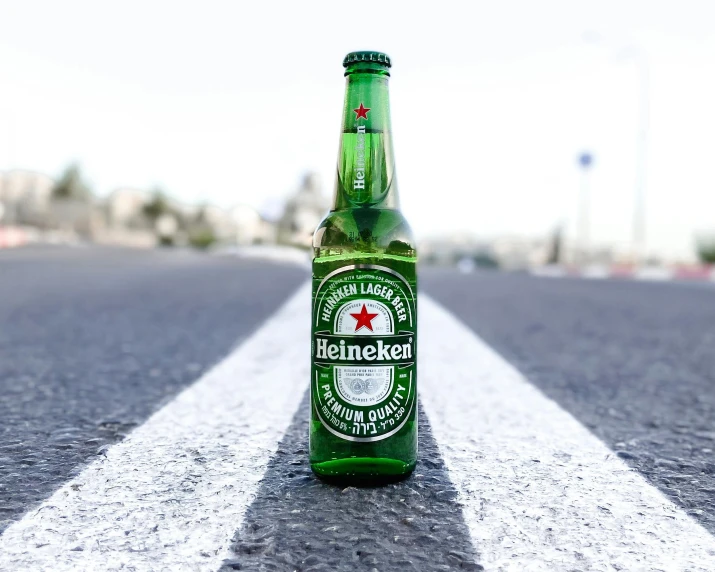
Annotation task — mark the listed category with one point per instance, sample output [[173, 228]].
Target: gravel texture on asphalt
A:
[[301, 524], [92, 341], [632, 361]]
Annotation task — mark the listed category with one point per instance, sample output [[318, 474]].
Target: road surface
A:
[[154, 417]]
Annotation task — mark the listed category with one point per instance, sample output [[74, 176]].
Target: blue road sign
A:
[[585, 160]]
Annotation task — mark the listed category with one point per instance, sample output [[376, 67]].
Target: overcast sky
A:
[[230, 102]]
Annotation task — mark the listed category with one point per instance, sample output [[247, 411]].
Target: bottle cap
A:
[[375, 57]]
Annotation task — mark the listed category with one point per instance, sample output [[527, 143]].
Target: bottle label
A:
[[364, 352]]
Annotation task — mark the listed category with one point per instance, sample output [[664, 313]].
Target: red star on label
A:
[[364, 319], [361, 112]]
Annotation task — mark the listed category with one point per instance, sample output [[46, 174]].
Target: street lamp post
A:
[[640, 58], [639, 202]]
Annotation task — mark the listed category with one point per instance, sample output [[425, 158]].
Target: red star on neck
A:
[[364, 319], [361, 112]]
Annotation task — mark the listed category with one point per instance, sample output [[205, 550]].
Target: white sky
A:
[[230, 102]]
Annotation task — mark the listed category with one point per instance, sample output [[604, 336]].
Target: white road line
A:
[[172, 494], [538, 490]]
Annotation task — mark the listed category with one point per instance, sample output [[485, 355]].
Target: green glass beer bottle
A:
[[363, 428]]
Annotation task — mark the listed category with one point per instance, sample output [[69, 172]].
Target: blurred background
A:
[[556, 133]]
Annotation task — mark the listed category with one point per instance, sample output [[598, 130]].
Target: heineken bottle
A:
[[363, 426]]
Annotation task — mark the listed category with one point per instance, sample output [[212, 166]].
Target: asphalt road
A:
[[632, 361], [93, 341]]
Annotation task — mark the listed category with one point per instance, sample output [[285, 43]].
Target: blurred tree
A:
[[70, 186], [706, 250], [556, 246], [166, 218], [202, 238], [201, 232], [158, 205]]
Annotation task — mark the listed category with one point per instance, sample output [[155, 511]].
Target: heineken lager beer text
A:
[[363, 426]]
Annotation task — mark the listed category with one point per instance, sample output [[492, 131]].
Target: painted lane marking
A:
[[172, 494], [538, 490]]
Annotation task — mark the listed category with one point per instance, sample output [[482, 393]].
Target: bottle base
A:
[[362, 472]]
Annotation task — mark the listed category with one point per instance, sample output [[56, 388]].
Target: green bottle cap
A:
[[375, 57]]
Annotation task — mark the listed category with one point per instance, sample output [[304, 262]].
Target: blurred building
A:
[[28, 200], [302, 213], [76, 218], [516, 252], [241, 225], [126, 221], [25, 198], [507, 252], [125, 209], [251, 227], [216, 221], [138, 218]]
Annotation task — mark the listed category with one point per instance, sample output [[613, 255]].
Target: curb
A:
[[273, 253], [689, 273]]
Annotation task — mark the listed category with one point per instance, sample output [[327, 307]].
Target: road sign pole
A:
[[585, 160]]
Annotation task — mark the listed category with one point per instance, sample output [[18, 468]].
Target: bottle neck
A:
[[366, 165]]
